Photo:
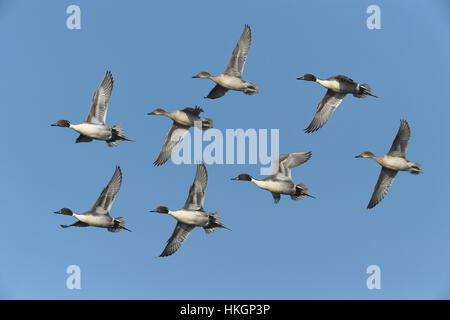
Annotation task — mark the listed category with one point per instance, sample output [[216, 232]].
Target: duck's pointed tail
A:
[[415, 168], [301, 191], [119, 225], [214, 223], [118, 135], [206, 123], [251, 88], [364, 91]]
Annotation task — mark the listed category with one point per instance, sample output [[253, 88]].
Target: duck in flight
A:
[[192, 214], [280, 181], [182, 121], [391, 163], [99, 214], [94, 126], [338, 87], [231, 78]]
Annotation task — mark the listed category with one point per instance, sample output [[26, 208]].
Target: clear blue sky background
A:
[[317, 249]]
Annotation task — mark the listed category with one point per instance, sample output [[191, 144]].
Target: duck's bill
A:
[[54, 125], [358, 156], [301, 78], [195, 77], [150, 113], [59, 212]]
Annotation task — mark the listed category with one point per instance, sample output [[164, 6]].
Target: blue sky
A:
[[310, 249]]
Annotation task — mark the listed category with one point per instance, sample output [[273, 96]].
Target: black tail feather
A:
[[214, 223]]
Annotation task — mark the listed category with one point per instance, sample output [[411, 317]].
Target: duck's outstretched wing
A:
[[400, 144], [286, 162], [83, 138], [217, 92], [276, 197], [76, 224], [108, 195], [196, 196], [239, 55], [99, 106], [194, 111], [175, 134], [330, 101], [343, 79], [180, 234], [382, 187]]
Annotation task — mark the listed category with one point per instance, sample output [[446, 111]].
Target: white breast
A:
[[230, 82], [330, 84], [95, 220], [95, 131], [394, 163], [190, 217], [275, 186], [182, 118]]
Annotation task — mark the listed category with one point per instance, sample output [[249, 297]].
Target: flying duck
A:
[[94, 126], [391, 163], [182, 121], [280, 181], [192, 214], [231, 78], [98, 215], [338, 87]]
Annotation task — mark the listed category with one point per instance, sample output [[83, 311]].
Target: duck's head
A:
[[365, 154], [161, 209], [243, 177], [157, 111], [65, 211], [202, 75], [308, 77], [61, 123]]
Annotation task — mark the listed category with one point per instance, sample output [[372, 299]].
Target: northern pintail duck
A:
[[182, 121], [391, 163], [231, 78], [338, 87], [98, 215], [280, 181], [94, 126], [192, 214]]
